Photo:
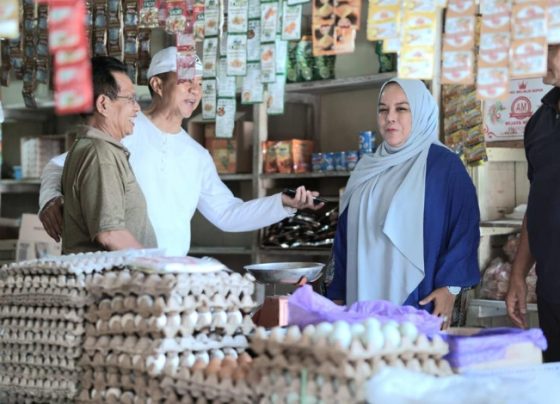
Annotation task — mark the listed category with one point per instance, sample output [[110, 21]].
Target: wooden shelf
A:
[[330, 174], [497, 227], [324, 252], [208, 250], [20, 186], [236, 177], [340, 85]]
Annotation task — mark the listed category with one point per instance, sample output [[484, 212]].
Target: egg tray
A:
[[16, 398], [43, 281], [50, 387], [147, 346], [156, 365], [148, 306], [46, 349], [220, 381], [73, 264], [48, 296], [126, 281], [42, 324], [281, 387], [47, 337], [39, 361], [324, 349], [359, 371], [173, 324], [33, 375], [72, 314], [120, 396]]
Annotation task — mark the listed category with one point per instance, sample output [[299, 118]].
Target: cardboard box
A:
[[231, 155], [33, 241], [36, 152]]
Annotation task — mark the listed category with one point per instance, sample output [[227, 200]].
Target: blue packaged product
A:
[[316, 161], [340, 161], [328, 162], [351, 159], [366, 141]]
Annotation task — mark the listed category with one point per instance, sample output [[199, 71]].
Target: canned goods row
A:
[[334, 161]]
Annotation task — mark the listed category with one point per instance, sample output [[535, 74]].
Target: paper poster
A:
[[506, 120]]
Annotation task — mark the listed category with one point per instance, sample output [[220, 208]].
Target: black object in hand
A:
[[292, 193]]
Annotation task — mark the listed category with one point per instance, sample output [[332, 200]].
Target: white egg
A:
[[322, 330], [341, 334], [357, 330], [277, 334], [392, 323], [309, 331], [204, 357], [261, 333], [372, 322], [392, 336], [294, 334], [409, 330]]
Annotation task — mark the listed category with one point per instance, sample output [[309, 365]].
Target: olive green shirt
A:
[[101, 194]]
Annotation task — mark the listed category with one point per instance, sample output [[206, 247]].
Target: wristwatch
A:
[[454, 290]]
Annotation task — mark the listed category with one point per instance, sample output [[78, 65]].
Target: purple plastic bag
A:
[[488, 345], [307, 307]]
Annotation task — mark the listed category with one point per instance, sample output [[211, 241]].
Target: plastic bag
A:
[[307, 307]]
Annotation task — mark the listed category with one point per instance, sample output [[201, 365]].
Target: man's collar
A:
[[552, 97], [86, 131]]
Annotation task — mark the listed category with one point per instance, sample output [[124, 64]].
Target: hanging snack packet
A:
[[252, 91], [275, 98], [237, 54], [186, 57], [269, 21], [9, 19], [268, 62], [149, 13], [66, 29], [176, 17], [237, 16], [225, 117], [254, 40], [209, 57], [211, 17], [291, 22], [72, 81], [209, 98]]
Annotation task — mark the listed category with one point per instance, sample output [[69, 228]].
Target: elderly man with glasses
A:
[[104, 206], [177, 175]]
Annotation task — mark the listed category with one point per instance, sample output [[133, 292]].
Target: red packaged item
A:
[[269, 157], [186, 57], [149, 13], [301, 155], [66, 26], [176, 20], [73, 82]]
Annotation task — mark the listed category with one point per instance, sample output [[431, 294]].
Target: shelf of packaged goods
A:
[[498, 227], [340, 85], [281, 176], [211, 251], [482, 308], [20, 186], [309, 252], [236, 177]]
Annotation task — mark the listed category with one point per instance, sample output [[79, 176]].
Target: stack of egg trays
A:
[[147, 328], [338, 359], [43, 303]]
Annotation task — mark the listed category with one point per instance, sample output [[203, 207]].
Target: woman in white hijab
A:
[[409, 227]]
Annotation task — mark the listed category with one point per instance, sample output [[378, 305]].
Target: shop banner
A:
[[506, 120]]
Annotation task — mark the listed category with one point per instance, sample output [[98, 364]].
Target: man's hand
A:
[[302, 200], [516, 301], [51, 217], [443, 304]]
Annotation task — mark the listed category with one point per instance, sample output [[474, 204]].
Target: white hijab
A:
[[385, 259]]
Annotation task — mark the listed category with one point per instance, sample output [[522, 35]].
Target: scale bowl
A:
[[285, 272]]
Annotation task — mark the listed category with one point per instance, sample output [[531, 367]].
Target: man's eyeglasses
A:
[[133, 99]]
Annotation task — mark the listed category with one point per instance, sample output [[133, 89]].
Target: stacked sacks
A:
[[330, 362], [42, 305], [167, 336]]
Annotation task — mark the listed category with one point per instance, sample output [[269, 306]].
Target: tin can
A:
[[316, 162], [366, 141], [351, 159], [340, 161], [328, 162]]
